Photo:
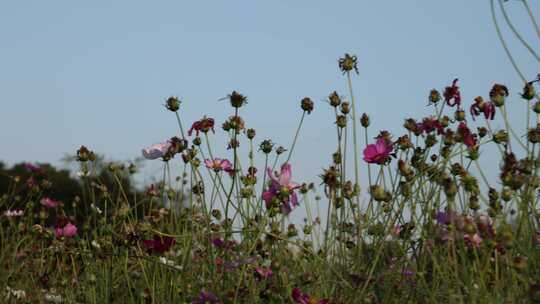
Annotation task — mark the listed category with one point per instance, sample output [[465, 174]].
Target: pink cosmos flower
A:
[[379, 152], [282, 188], [219, 164], [69, 230], [49, 203], [304, 298], [156, 150], [13, 213]]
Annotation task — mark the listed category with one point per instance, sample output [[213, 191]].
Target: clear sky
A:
[[97, 72]]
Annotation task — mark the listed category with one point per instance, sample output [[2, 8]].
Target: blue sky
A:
[[97, 72]]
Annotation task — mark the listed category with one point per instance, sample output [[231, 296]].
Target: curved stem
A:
[[533, 19], [513, 29]]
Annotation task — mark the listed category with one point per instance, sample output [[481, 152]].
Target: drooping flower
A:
[[13, 213], [67, 230], [218, 164], [204, 125], [49, 203], [156, 150], [281, 190], [303, 298], [379, 152], [451, 95], [480, 106], [159, 244]]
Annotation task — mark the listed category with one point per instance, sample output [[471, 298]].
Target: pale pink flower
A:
[[49, 203], [156, 150], [68, 230], [218, 164], [282, 187], [379, 152]]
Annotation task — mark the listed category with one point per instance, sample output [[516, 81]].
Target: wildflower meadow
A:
[[408, 216]]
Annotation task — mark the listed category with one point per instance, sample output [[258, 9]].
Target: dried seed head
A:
[[307, 105], [348, 63], [237, 100], [172, 104], [345, 108], [334, 99], [266, 146]]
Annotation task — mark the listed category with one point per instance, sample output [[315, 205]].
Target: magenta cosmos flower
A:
[[159, 244], [69, 230], [218, 164], [49, 203], [156, 150], [281, 190], [379, 152], [304, 298]]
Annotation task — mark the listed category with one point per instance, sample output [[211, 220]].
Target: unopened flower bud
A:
[[506, 194], [528, 91], [280, 150], [364, 120], [434, 96], [197, 141], [266, 146], [345, 108], [482, 131], [250, 133], [341, 121], [334, 99], [500, 137], [459, 115], [533, 135], [536, 107]]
